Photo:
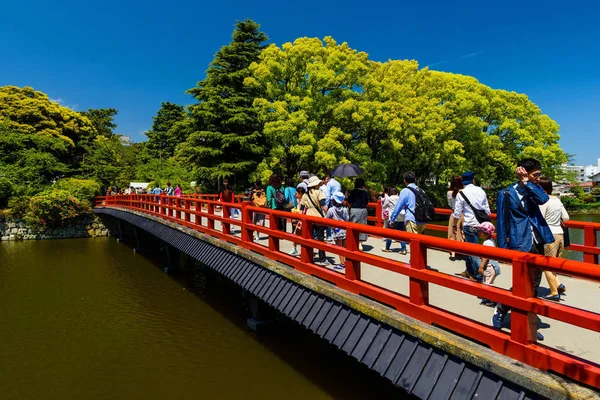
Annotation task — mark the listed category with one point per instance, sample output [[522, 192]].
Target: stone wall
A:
[[90, 226]]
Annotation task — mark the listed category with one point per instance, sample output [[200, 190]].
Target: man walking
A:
[[408, 201], [472, 201], [520, 224]]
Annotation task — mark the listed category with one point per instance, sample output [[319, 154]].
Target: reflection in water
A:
[[88, 318]]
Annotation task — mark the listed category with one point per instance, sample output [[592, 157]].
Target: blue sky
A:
[[133, 55]]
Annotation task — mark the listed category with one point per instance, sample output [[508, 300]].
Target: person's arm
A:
[[386, 203], [536, 193], [501, 227], [563, 212], [402, 202], [486, 205], [458, 206]]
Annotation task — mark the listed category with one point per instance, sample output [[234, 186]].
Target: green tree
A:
[[102, 119], [38, 138], [168, 130], [226, 135], [305, 83], [326, 103]]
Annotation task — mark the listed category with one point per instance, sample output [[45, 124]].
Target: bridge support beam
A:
[[173, 254], [145, 243], [263, 317]]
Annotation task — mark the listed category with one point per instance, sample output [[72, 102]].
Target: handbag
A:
[[480, 215]]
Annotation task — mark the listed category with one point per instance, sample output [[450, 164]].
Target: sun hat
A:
[[338, 197], [487, 227], [313, 181], [467, 178], [303, 173]]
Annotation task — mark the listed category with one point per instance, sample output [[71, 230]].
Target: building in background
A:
[[583, 173]]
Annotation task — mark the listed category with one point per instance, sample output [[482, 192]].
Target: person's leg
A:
[[471, 236], [320, 232], [341, 243], [401, 227]]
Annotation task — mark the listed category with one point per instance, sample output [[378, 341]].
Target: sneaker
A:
[[497, 319], [339, 267], [540, 337], [403, 252], [329, 239], [385, 250], [293, 252]]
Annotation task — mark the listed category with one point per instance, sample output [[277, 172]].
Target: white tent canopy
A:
[[142, 185]]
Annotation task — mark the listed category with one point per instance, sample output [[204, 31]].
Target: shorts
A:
[[338, 234]]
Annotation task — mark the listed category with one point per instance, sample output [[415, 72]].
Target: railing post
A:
[[210, 210], [307, 253], [378, 214], [246, 219], [226, 227], [523, 324], [589, 239], [188, 207], [273, 226], [352, 265], [418, 289]]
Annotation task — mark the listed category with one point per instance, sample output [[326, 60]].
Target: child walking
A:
[[339, 213], [488, 269]]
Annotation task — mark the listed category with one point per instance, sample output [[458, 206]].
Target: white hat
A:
[[338, 197], [313, 181]]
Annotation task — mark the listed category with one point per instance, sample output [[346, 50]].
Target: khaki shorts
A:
[[413, 227]]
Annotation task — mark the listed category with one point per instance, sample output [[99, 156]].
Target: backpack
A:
[[259, 199], [424, 210], [279, 198]]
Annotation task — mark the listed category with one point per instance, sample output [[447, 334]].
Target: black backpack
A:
[[279, 199], [424, 210]]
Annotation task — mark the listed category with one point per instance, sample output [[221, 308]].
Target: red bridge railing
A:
[[520, 344]]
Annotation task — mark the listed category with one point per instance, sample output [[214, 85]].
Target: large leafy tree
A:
[[168, 130], [326, 103], [226, 138], [38, 137]]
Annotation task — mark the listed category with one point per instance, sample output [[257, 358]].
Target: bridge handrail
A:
[[589, 248], [520, 344]]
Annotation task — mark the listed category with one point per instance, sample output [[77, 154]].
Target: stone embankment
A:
[[78, 228]]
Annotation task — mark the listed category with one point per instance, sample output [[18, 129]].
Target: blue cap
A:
[[467, 178]]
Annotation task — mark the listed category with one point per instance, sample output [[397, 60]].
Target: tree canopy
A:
[[326, 104], [226, 138]]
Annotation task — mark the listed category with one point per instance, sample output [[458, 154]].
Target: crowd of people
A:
[[530, 218]]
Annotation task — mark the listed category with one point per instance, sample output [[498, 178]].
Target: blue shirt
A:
[[156, 190], [334, 186], [290, 195], [407, 201]]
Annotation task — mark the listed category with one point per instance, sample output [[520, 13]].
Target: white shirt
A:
[[553, 212], [478, 199], [451, 200]]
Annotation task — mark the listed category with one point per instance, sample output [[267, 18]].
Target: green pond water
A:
[[90, 319]]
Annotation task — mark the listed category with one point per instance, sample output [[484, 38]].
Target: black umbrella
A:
[[346, 170]]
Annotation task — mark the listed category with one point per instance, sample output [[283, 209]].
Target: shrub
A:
[[18, 207], [82, 189], [6, 190], [52, 208]]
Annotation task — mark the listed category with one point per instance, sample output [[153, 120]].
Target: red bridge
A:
[[423, 285]]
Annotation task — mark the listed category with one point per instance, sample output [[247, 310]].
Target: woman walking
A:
[[456, 186], [276, 198], [358, 200], [398, 224], [313, 203], [554, 213]]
